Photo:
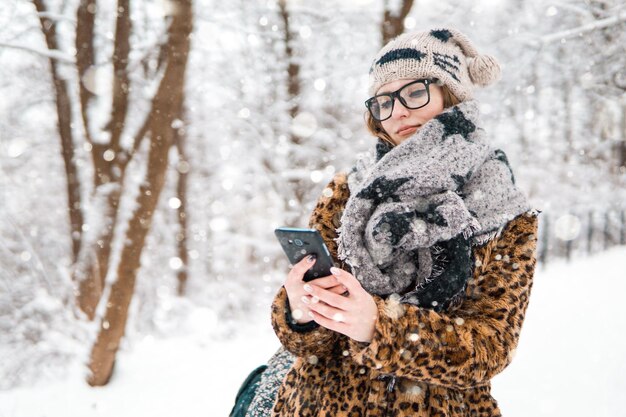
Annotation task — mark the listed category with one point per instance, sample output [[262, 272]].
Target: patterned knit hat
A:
[[446, 54]]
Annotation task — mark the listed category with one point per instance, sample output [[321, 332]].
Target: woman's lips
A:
[[407, 130]]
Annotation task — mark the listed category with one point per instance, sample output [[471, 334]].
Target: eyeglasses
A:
[[413, 95]]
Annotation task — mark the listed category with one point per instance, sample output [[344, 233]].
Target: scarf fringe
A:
[[436, 250], [472, 228], [437, 269], [424, 283]]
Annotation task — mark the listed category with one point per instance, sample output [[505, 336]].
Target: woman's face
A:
[[404, 122]]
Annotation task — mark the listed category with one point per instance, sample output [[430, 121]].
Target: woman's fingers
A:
[[338, 289], [328, 297], [329, 312], [347, 279], [325, 282], [354, 316], [299, 269], [330, 283], [330, 324], [324, 291]]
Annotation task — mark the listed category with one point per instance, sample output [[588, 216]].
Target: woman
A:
[[435, 247]]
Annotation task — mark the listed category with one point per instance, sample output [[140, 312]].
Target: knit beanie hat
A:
[[446, 54]]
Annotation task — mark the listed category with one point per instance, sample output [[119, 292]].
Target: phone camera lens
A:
[[298, 242]]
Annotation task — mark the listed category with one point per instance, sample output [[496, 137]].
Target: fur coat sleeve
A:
[[310, 339]]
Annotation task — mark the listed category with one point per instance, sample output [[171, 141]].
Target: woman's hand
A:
[[354, 315], [294, 285]]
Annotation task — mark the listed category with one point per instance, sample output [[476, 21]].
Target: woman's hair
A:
[[376, 128]]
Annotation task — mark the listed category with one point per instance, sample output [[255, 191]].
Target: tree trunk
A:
[[64, 119], [181, 191], [293, 69], [119, 107], [108, 159], [165, 106], [621, 144], [293, 92], [393, 23], [92, 266], [85, 56], [90, 258], [568, 132]]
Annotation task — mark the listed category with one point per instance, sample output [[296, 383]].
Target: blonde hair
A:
[[376, 128]]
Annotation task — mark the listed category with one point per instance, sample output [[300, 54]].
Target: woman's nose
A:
[[399, 110]]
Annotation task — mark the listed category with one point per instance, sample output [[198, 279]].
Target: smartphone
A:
[[298, 243]]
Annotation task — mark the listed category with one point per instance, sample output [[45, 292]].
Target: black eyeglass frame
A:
[[396, 94]]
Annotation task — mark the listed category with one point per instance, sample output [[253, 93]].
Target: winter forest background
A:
[[148, 149]]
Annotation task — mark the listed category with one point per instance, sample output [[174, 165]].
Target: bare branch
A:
[[55, 54], [582, 11], [57, 17], [575, 32], [235, 27], [141, 133]]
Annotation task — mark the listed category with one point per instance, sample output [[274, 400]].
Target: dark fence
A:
[[579, 233]]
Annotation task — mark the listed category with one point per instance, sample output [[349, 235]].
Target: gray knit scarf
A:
[[414, 213]]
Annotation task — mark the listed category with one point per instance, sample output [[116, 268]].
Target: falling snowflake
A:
[[316, 176], [297, 314], [567, 227], [108, 155], [305, 32], [175, 263], [338, 317], [174, 203], [319, 84]]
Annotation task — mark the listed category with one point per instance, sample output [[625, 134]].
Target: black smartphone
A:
[[298, 243]]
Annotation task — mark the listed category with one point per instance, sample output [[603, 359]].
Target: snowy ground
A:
[[571, 360]]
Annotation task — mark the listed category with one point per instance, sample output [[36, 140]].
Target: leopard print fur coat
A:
[[419, 362]]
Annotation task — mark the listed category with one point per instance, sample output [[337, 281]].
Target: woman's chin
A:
[[399, 138]]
